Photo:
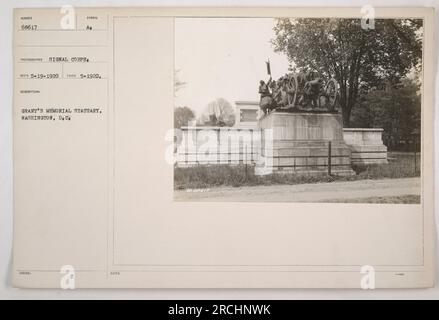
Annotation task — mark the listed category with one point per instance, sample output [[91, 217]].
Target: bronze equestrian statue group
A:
[[299, 92]]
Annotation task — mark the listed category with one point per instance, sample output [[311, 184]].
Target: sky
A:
[[223, 57]]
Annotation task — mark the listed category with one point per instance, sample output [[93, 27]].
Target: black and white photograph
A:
[[298, 110], [235, 151]]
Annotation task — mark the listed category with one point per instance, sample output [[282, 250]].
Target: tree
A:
[[182, 116], [358, 59], [396, 109], [218, 113]]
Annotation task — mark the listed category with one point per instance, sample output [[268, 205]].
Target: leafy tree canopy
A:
[[218, 112], [396, 109], [355, 57], [182, 116]]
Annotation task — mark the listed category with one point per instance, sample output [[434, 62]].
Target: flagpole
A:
[[268, 67]]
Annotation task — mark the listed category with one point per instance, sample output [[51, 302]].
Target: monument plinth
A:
[[303, 143]]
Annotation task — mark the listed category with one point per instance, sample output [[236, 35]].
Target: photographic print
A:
[[223, 148], [298, 110]]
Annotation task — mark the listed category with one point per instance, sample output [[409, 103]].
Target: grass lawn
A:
[[401, 165], [405, 199]]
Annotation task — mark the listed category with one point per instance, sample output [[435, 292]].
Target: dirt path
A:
[[315, 192]]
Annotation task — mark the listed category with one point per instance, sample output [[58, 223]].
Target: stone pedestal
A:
[[298, 143], [366, 145]]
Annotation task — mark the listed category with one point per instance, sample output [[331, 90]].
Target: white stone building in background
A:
[[247, 114]]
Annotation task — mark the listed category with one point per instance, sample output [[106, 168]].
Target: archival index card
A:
[[218, 148]]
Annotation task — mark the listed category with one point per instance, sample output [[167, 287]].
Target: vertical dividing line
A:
[[251, 146], [246, 160], [113, 155], [415, 159], [218, 147], [107, 115], [329, 157], [196, 146], [186, 142], [229, 146], [240, 150]]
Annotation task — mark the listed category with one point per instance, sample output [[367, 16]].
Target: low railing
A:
[[218, 145], [231, 145]]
